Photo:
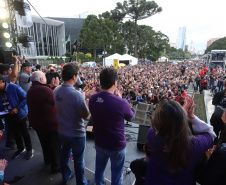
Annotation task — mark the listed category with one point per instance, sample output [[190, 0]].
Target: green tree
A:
[[138, 10], [187, 56], [217, 45], [88, 55], [114, 22], [128, 35], [90, 34], [114, 15]]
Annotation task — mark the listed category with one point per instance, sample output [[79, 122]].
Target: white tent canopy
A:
[[132, 60], [114, 56], [163, 59], [110, 60]]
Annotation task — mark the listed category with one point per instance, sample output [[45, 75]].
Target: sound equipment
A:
[[6, 56], [142, 135], [143, 112]]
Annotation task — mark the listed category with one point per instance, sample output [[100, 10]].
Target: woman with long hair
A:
[[174, 151]]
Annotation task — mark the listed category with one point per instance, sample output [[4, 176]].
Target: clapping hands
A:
[[54, 83], [119, 91], [189, 107], [87, 93]]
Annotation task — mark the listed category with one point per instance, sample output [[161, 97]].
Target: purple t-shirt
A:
[[108, 112], [158, 171]]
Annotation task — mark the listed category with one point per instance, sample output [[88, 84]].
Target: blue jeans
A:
[[211, 84], [117, 163], [77, 146], [220, 85]]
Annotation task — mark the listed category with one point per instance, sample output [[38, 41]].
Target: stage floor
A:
[[34, 172]]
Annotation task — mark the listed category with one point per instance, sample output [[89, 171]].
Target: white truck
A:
[[217, 58]]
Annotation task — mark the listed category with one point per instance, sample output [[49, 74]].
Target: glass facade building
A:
[[48, 36], [181, 41]]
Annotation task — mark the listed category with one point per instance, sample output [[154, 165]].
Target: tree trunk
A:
[[94, 53], [135, 39]]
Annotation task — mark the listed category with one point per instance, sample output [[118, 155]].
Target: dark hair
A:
[[1, 78], [170, 122], [108, 77], [4, 67], [69, 70]]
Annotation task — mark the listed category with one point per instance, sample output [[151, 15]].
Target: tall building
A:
[[181, 41], [72, 28], [209, 42], [48, 35]]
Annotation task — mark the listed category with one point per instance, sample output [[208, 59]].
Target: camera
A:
[[223, 102], [52, 70]]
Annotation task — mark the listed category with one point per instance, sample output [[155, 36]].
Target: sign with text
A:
[[116, 63]]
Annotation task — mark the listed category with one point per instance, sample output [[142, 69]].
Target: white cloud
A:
[[203, 19]]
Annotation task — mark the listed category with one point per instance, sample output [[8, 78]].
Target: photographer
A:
[[181, 94], [51, 73]]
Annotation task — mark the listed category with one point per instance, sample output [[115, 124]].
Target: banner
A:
[[116, 63]]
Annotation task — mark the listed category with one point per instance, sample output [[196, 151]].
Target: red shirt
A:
[[202, 73]]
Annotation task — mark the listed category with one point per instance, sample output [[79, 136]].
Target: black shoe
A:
[[29, 154], [71, 177], [18, 153]]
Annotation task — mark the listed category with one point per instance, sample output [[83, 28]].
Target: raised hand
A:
[[54, 83], [14, 57], [189, 107], [23, 59]]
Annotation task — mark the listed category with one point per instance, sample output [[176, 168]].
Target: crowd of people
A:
[[55, 102]]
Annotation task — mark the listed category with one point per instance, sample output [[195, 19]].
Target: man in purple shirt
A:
[[108, 112]]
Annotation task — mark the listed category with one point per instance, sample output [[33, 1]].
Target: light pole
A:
[[104, 53]]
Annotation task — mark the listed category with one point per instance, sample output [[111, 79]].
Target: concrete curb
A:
[[206, 107], [208, 104]]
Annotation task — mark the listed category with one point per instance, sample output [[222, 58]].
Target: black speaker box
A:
[[6, 56], [142, 135]]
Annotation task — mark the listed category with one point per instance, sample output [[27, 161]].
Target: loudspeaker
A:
[[142, 135], [6, 56]]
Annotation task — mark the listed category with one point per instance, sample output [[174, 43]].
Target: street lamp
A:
[[104, 53]]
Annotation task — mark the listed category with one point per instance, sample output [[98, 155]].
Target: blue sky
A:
[[203, 19]]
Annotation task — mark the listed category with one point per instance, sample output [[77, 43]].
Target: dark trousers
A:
[[20, 132], [220, 85], [10, 141], [50, 143]]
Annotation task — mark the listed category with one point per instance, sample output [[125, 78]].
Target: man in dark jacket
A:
[[219, 99], [51, 73], [43, 119]]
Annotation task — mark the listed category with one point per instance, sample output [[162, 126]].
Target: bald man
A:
[[43, 119]]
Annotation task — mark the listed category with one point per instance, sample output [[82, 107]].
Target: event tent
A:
[[132, 60], [110, 59], [126, 59]]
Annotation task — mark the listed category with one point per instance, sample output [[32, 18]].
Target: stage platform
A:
[[34, 172]]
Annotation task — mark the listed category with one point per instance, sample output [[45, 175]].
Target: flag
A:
[[68, 39]]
